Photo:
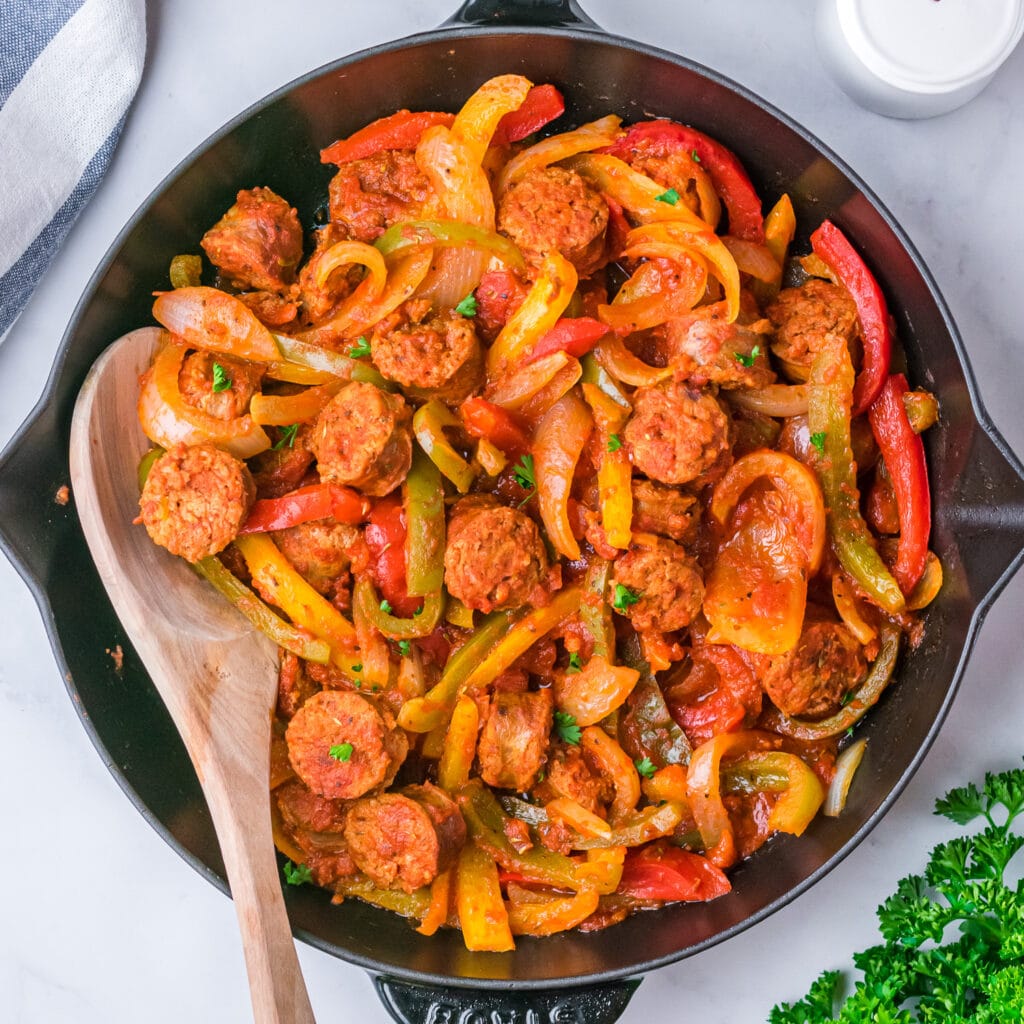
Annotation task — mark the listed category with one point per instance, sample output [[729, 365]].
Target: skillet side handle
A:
[[987, 514], [522, 14], [425, 1004]]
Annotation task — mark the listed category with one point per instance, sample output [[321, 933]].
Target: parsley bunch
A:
[[954, 936]]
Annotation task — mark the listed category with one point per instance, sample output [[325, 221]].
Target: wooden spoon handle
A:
[[275, 978]]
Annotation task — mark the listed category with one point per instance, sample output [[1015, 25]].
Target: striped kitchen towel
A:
[[68, 71]]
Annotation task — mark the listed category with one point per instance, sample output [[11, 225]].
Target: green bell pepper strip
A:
[[829, 405], [421, 714], [485, 822], [146, 464], [428, 425], [638, 828], [595, 612], [801, 796], [413, 905], [852, 712], [646, 728], [424, 530], [303, 353], [595, 373], [284, 634], [392, 626], [409, 233]]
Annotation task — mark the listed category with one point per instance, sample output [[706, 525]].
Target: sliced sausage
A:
[[319, 550], [333, 719], [317, 297], [667, 581], [367, 196], [568, 775], [283, 468], [294, 687], [271, 309], [677, 434], [196, 383], [664, 510], [438, 358], [195, 500], [257, 244], [803, 316], [405, 840], [300, 807], [554, 209], [812, 679], [494, 557], [363, 438], [514, 738], [712, 351]]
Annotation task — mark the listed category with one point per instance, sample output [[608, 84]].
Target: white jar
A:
[[916, 58]]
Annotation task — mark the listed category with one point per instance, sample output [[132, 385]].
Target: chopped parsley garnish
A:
[[419, 611], [357, 668], [670, 196], [296, 874], [575, 662], [341, 751], [221, 381], [745, 360], [614, 443], [523, 471], [404, 648], [646, 767], [385, 606], [695, 156], [287, 438], [566, 727], [624, 598], [360, 349], [818, 440], [467, 307]]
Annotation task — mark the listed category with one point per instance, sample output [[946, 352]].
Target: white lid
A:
[[932, 45]]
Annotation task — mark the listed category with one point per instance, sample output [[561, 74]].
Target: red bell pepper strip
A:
[[399, 131], [574, 335], [543, 104], [661, 872], [497, 425], [318, 501], [722, 166], [833, 247], [385, 537], [903, 452], [499, 294]]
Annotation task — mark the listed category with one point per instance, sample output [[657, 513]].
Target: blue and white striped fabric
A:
[[68, 72]]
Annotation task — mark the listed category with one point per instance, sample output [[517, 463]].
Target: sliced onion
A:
[[781, 400], [846, 767]]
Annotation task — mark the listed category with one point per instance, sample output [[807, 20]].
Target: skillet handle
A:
[[522, 14], [427, 1004]]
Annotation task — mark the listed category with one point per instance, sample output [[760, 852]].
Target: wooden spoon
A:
[[214, 671]]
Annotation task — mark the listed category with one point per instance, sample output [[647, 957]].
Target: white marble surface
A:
[[101, 922]]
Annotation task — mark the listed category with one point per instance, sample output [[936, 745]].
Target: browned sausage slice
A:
[[667, 582], [514, 739]]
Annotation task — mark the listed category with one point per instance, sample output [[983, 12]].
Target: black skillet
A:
[[978, 490]]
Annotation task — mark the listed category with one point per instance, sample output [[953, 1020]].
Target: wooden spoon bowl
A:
[[214, 671]]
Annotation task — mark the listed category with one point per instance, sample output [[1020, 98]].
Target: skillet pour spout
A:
[[978, 490]]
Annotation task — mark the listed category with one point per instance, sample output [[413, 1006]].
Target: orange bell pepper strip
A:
[[617, 765], [779, 229], [456, 762], [317, 501], [440, 900], [482, 914], [280, 585], [210, 319], [530, 913], [401, 130]]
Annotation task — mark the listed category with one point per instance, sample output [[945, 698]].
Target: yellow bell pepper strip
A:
[[588, 137], [703, 786], [647, 729], [167, 419], [282, 633], [316, 359], [428, 424], [448, 234], [847, 605], [577, 817], [375, 658], [545, 303], [433, 743], [293, 373], [668, 783], [368, 601], [830, 400], [928, 586], [485, 821], [186, 271], [530, 913], [595, 691], [477, 120], [805, 505], [457, 613], [453, 770], [615, 471], [280, 585], [210, 319], [625, 367], [481, 910], [283, 410], [779, 228], [412, 905], [802, 793], [491, 458], [557, 446], [638, 827], [853, 711], [617, 766], [440, 899], [427, 713], [602, 869], [425, 527], [595, 612]]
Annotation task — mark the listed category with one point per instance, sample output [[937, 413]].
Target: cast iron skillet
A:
[[978, 488]]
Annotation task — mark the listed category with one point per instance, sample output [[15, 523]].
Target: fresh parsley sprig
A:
[[566, 727]]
